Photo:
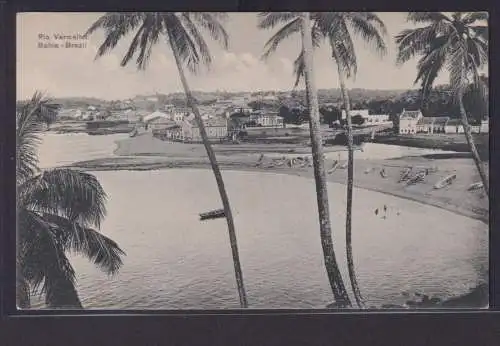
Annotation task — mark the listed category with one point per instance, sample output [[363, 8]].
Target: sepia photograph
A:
[[268, 160]]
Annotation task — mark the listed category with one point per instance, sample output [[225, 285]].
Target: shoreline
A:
[[454, 198]]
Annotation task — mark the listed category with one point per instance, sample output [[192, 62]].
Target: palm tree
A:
[[58, 210], [457, 42], [294, 23], [335, 28], [181, 31]]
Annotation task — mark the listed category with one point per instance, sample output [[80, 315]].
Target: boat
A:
[[214, 214], [475, 186], [133, 133], [405, 174], [259, 161], [445, 182], [383, 174], [334, 167], [417, 178]]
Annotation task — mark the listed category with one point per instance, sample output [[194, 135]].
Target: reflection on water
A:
[[174, 261]]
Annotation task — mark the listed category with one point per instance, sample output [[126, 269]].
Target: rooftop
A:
[[410, 114]]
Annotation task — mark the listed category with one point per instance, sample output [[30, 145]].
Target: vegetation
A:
[[183, 33], [458, 43], [58, 210]]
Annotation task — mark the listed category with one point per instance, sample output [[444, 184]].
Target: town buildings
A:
[[216, 128]]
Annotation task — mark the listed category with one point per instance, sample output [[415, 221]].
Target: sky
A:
[[69, 72]]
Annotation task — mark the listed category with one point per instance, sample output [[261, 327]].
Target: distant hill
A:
[[150, 101]]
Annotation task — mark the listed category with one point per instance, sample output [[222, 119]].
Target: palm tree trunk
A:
[[350, 182], [218, 178], [472, 146], [332, 269]]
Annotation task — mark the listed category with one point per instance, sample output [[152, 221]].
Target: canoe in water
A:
[[445, 182], [214, 214]]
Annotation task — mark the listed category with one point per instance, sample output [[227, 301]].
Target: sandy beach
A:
[[381, 175]]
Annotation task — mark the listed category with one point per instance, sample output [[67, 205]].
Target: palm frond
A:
[[298, 64], [478, 51], [285, 32], [373, 18], [115, 26], [481, 31], [428, 68], [472, 17], [201, 45], [75, 195], [363, 25], [298, 68], [150, 35], [45, 264], [426, 17], [23, 293], [28, 128], [179, 37], [211, 22], [345, 56], [457, 66], [412, 42], [101, 250], [268, 20]]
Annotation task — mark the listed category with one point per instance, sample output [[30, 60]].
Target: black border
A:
[[283, 327]]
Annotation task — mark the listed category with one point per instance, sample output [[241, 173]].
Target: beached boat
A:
[[334, 167], [420, 176], [405, 174], [214, 214], [475, 186], [445, 182]]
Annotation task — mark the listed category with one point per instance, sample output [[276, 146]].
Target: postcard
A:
[[275, 160]]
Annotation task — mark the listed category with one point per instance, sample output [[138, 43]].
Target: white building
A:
[[408, 121], [485, 128], [370, 119], [453, 126], [267, 119]]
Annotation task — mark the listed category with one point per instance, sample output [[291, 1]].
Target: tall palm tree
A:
[[337, 28], [301, 23], [181, 31], [456, 42], [57, 212]]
